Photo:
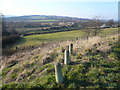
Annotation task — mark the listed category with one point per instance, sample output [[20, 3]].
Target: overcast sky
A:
[[107, 9]]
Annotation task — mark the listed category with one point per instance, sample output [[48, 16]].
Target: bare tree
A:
[[11, 27], [3, 24], [92, 27], [110, 23], [95, 25]]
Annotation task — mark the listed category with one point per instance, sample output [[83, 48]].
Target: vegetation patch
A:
[[91, 67]]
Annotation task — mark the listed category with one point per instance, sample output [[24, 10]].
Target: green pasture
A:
[[51, 37], [109, 31], [38, 39]]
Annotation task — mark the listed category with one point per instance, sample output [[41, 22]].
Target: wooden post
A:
[[66, 57], [58, 73], [70, 49]]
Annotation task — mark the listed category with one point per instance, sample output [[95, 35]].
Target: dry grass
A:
[[35, 56], [50, 47], [30, 62]]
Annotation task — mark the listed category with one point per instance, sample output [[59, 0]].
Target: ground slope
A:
[[95, 63]]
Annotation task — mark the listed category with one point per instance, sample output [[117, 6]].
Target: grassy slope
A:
[[45, 38], [109, 31], [91, 67], [68, 35], [37, 40]]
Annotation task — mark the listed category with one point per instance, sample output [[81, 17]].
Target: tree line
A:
[[9, 34]]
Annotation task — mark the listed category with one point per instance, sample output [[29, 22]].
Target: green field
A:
[[22, 30], [53, 37], [109, 31], [44, 29]]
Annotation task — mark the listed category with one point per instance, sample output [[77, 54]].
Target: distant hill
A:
[[43, 17]]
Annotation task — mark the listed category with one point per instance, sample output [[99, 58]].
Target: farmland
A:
[[91, 66], [37, 40], [29, 61]]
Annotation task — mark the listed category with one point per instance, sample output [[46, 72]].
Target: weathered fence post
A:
[[70, 49], [66, 57], [58, 73]]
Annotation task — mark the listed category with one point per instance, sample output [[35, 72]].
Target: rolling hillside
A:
[[94, 64], [43, 18]]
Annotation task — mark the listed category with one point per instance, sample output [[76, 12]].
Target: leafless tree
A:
[[3, 25], [92, 27], [110, 23]]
